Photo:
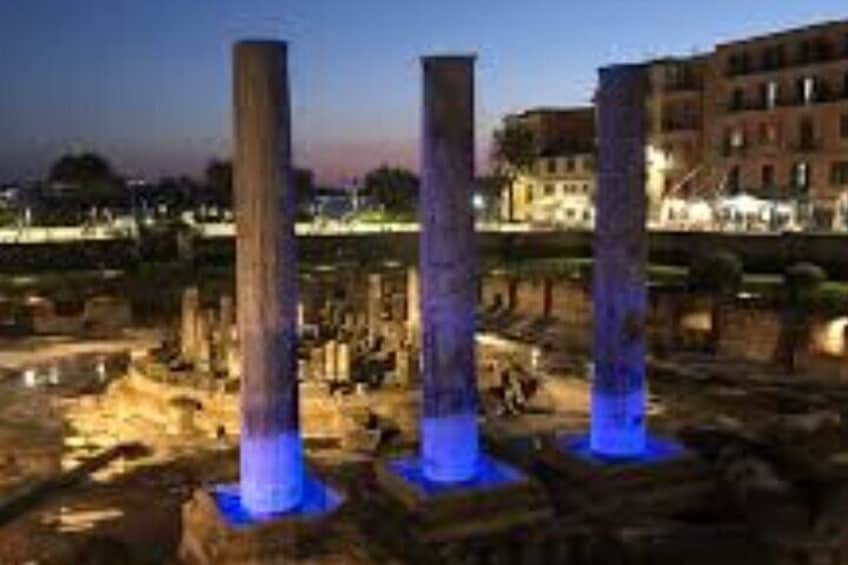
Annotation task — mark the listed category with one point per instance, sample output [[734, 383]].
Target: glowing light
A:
[[478, 202], [271, 472], [831, 339], [489, 474], [317, 499], [655, 450], [29, 378], [450, 447], [53, 375]]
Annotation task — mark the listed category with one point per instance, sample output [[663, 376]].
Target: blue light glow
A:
[[656, 450], [271, 474], [618, 413], [317, 499], [450, 447], [490, 474]]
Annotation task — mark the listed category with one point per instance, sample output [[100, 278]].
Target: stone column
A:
[[330, 361], [449, 434], [266, 279], [188, 323], [618, 403], [375, 307], [205, 321], [343, 362], [413, 308], [226, 316]]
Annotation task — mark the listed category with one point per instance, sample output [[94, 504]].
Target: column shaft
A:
[[449, 435], [618, 411], [266, 278]]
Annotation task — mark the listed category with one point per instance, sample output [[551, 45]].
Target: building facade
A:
[[764, 116], [780, 125], [559, 187]]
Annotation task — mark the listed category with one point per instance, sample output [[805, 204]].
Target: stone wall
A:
[[749, 329], [100, 315]]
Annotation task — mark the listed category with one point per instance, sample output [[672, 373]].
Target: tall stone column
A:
[[266, 278], [449, 434], [188, 323], [203, 340], [618, 386]]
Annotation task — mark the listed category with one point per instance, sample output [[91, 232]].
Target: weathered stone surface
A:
[[188, 324], [448, 269], [266, 278], [619, 295]]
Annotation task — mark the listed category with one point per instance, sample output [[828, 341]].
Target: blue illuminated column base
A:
[[450, 448], [271, 475], [655, 451], [317, 500], [618, 424], [490, 474]]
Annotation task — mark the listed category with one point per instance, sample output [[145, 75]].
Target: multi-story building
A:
[[677, 111], [559, 187], [765, 117], [780, 125]]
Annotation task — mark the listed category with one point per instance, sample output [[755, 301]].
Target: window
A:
[[725, 142], [586, 189], [768, 176], [806, 133], [738, 100], [551, 166], [737, 138], [528, 196], [771, 94], [843, 126], [839, 173], [801, 176], [549, 189], [805, 52], [807, 90], [733, 181], [569, 165]]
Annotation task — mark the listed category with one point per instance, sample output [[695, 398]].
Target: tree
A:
[[218, 182], [513, 153], [218, 178], [91, 179], [801, 283], [394, 189], [719, 276]]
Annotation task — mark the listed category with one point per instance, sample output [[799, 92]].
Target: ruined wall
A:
[[677, 321]]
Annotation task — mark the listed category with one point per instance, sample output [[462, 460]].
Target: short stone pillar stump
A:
[[218, 530], [664, 481], [502, 513]]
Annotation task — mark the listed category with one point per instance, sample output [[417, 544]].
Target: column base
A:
[[662, 482], [218, 530], [501, 511]]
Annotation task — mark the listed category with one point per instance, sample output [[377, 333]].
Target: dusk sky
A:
[[147, 82]]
